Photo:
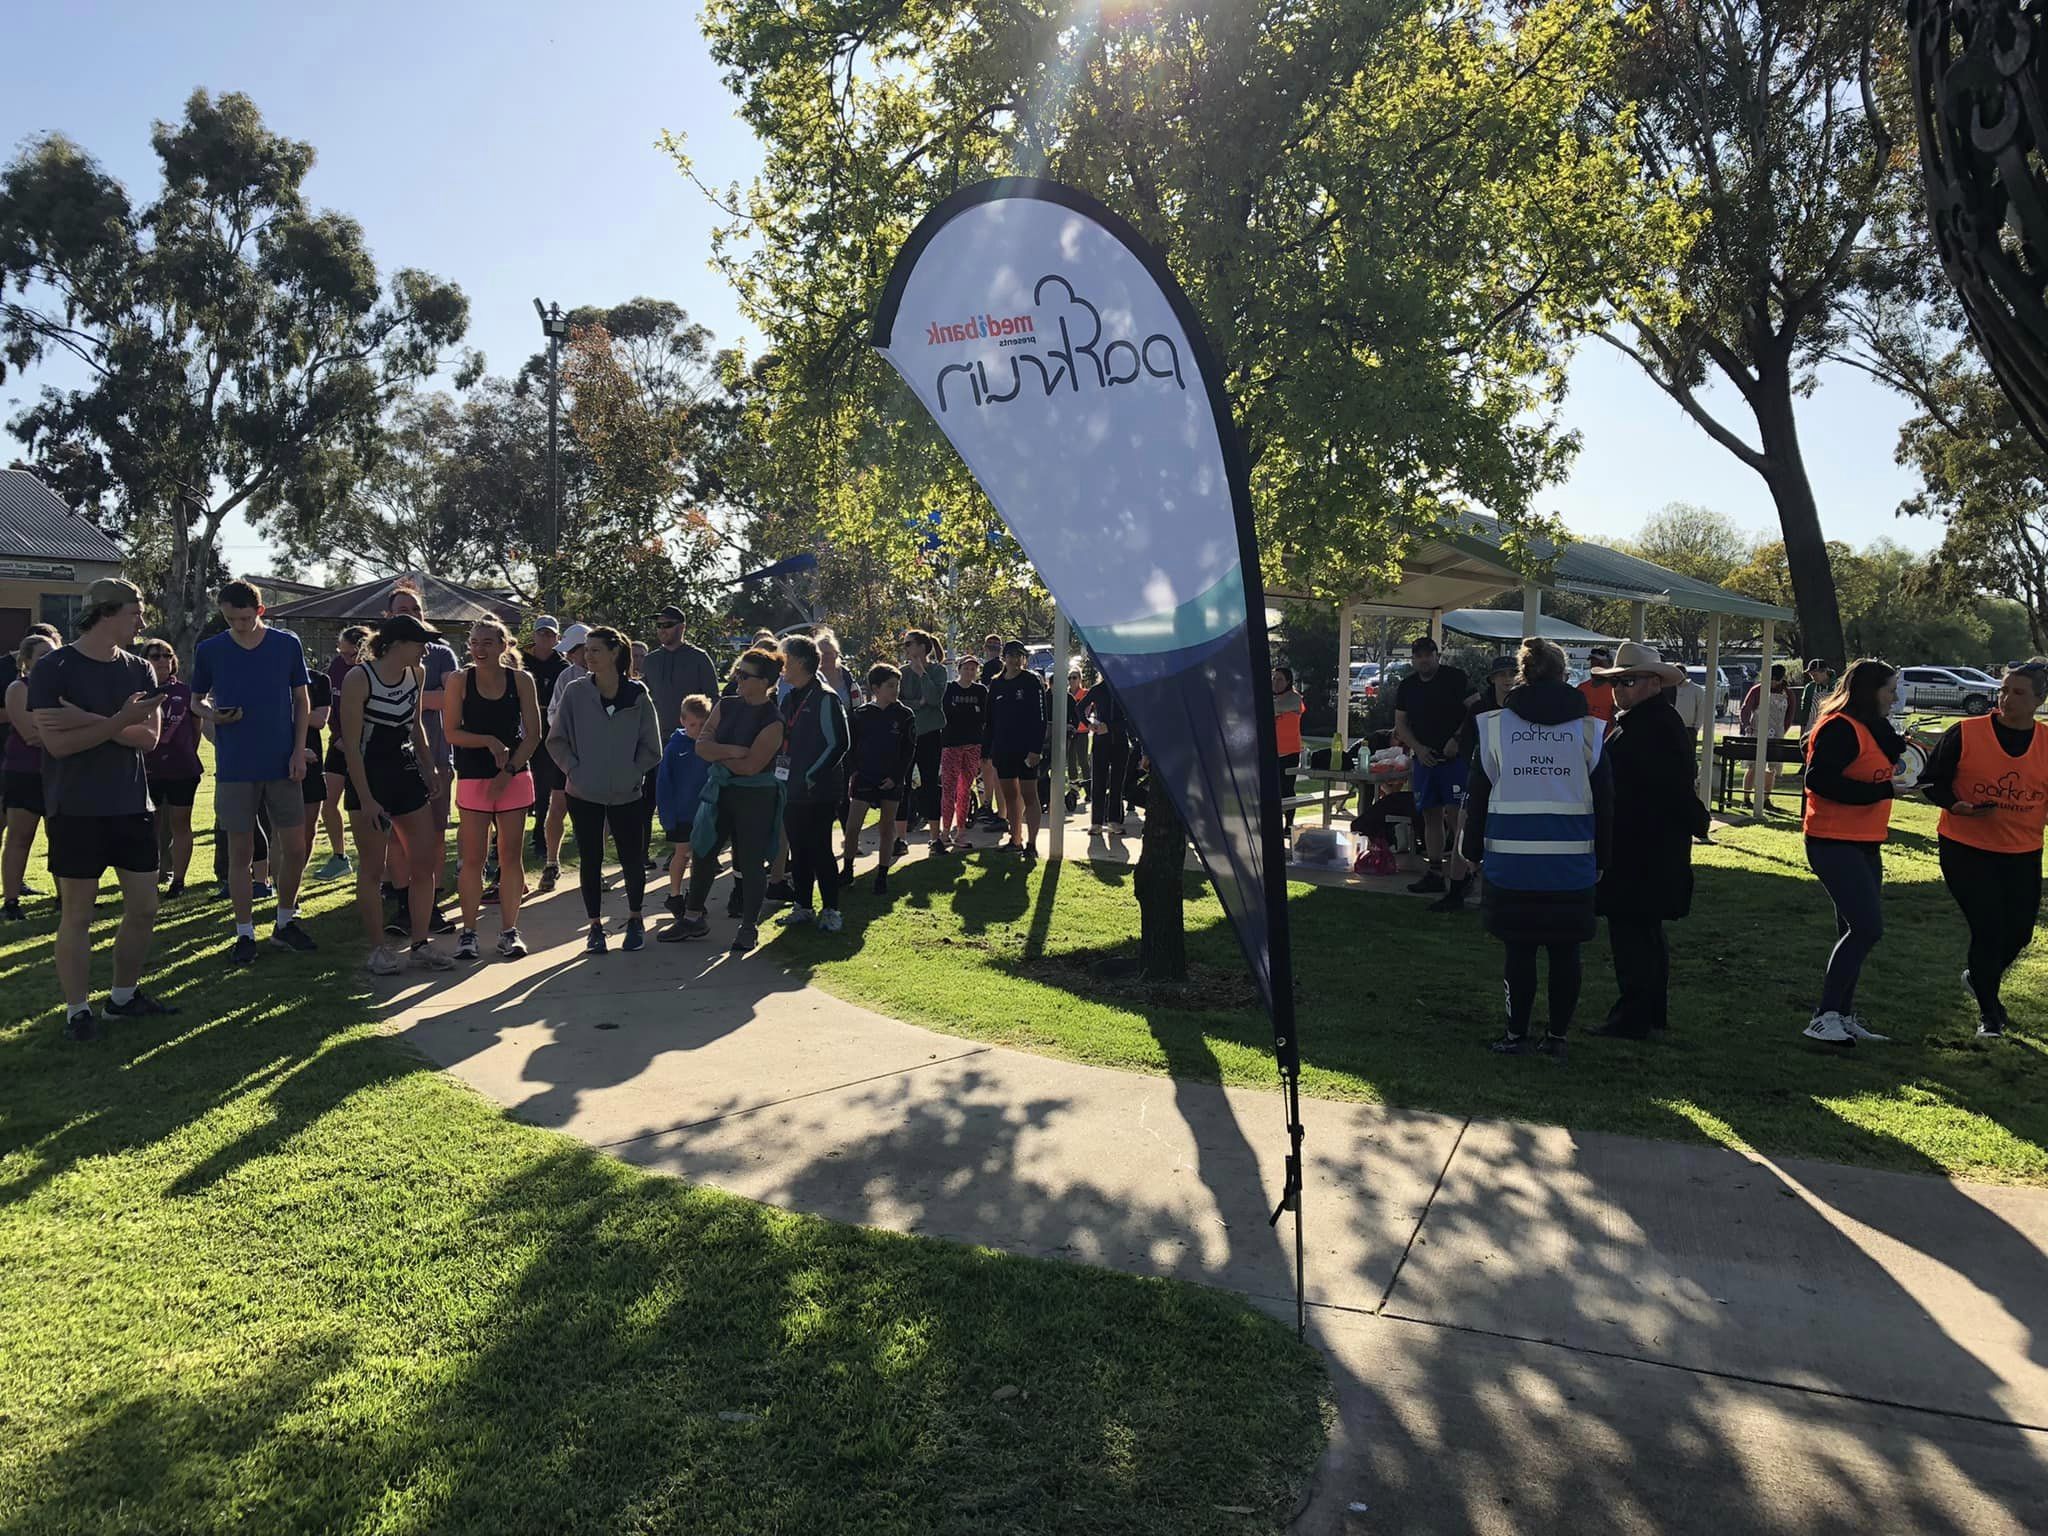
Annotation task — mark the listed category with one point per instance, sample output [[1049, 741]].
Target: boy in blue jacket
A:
[[678, 786]]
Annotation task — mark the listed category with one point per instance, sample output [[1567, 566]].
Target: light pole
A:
[[554, 327]]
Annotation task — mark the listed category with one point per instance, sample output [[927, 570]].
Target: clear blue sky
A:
[[510, 147]]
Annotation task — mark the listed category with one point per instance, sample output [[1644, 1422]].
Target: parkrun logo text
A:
[[1082, 356]]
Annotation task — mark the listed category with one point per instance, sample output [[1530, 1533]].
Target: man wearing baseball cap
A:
[[97, 708], [1657, 813], [674, 669], [545, 666]]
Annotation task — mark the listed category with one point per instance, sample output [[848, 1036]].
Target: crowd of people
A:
[[771, 770], [1573, 803], [1562, 804]]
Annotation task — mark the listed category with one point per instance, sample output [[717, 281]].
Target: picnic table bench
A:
[[1732, 752]]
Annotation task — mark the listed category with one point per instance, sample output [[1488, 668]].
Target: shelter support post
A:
[[1343, 682], [1713, 686], [1638, 621], [1532, 609], [1763, 719], [1056, 809], [1436, 627]]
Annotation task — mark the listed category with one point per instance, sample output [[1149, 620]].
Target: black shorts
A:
[[313, 789], [336, 761], [870, 792], [23, 790], [1011, 765], [173, 791], [395, 781], [547, 778], [84, 847]]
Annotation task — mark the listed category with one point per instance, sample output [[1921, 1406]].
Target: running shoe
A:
[[684, 929], [593, 941], [1431, 884], [881, 886], [900, 850], [424, 957], [510, 945], [1858, 1029], [465, 946], [382, 961], [245, 949], [795, 917], [829, 921], [438, 922], [12, 913], [1553, 1046], [174, 890], [489, 893], [1990, 1027], [81, 1025], [397, 919], [1510, 1045], [636, 933], [745, 939], [780, 892], [292, 936], [334, 868], [674, 902], [140, 1006], [550, 876], [262, 890], [942, 848], [1829, 1029]]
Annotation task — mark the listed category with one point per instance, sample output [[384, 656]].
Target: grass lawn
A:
[[1397, 1003], [262, 1271]]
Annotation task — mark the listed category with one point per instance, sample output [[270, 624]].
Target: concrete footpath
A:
[[1530, 1329]]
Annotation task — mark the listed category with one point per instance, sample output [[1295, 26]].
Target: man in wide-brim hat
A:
[[1648, 879]]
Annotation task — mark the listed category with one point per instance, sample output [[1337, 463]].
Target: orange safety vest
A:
[[1832, 819], [1287, 733], [1599, 699], [2015, 787]]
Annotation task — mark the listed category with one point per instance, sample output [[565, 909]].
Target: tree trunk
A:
[[1806, 548], [1161, 887]]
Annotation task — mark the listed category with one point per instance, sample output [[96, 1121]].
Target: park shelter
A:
[[49, 555], [1462, 564], [319, 620]]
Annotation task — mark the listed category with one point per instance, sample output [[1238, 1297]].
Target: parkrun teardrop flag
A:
[[1055, 350]]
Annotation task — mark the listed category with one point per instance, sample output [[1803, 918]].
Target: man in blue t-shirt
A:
[[249, 685]]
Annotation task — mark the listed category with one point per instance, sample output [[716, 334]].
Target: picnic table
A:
[[1732, 752], [1330, 778]]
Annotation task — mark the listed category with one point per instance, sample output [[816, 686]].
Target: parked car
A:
[[1946, 688], [1724, 685]]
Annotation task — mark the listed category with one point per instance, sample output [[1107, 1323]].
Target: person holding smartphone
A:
[[1851, 767], [1989, 775]]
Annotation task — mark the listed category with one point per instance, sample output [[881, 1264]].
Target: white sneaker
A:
[[1830, 1028], [1856, 1027], [382, 962], [424, 957], [510, 945], [795, 917], [829, 920]]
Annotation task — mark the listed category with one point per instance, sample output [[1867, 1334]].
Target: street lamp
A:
[[555, 327]]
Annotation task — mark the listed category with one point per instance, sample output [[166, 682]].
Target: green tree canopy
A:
[[1390, 219], [228, 332]]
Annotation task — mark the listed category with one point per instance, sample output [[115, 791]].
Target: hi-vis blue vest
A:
[[1539, 818]]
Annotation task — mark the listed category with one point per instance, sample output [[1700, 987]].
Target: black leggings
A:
[[926, 803], [2000, 894], [1111, 769], [628, 823], [1521, 979], [809, 830], [747, 824]]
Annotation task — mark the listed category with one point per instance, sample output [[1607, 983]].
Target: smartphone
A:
[[229, 715]]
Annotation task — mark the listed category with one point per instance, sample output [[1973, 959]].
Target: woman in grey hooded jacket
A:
[[606, 740]]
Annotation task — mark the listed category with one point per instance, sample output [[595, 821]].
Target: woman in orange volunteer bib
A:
[[1287, 712], [1851, 758], [1990, 778]]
